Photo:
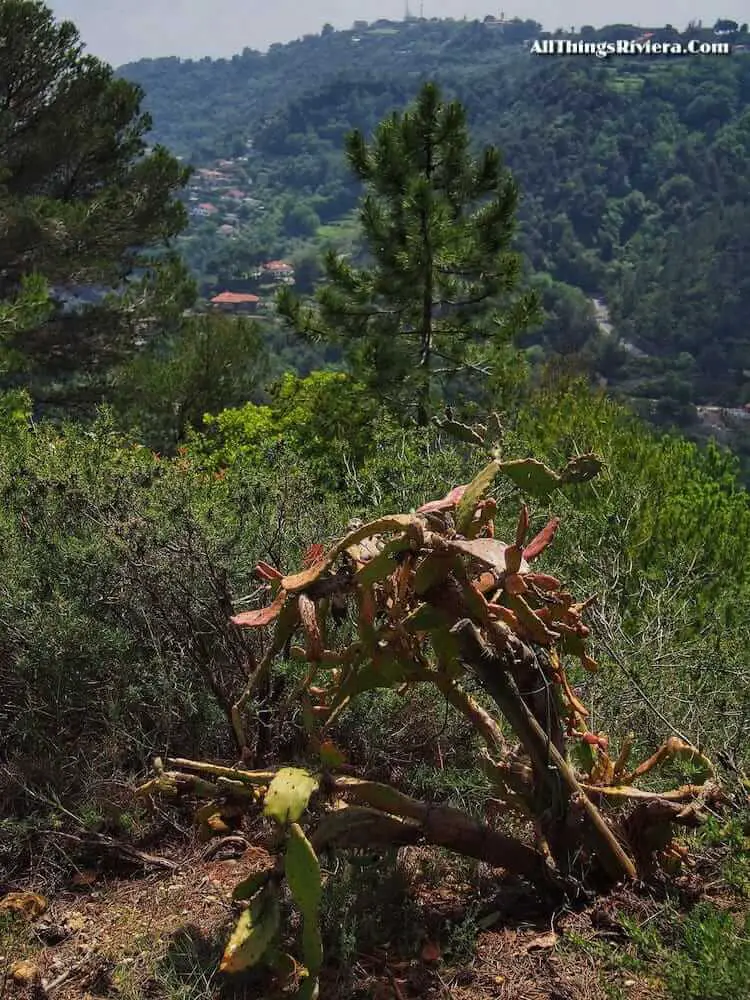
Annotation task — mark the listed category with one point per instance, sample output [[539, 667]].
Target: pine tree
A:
[[82, 198], [438, 292], [209, 364]]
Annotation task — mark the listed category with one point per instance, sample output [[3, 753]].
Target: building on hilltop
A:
[[212, 177], [279, 270], [495, 22], [235, 302], [205, 210]]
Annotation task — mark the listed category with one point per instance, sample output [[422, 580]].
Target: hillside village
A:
[[220, 193], [224, 205]]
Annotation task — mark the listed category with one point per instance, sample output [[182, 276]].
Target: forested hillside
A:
[[635, 176], [420, 670]]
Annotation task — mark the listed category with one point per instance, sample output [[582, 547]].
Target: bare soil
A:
[[158, 936]]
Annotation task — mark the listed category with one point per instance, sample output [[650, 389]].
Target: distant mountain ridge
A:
[[635, 172]]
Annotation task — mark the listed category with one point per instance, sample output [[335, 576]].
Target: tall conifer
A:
[[438, 290]]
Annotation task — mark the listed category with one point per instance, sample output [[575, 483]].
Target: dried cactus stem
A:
[[363, 827], [286, 626], [558, 782], [444, 826], [253, 683], [219, 771], [462, 701], [629, 793]]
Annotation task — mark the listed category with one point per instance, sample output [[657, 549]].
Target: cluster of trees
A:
[[634, 176], [86, 203], [437, 294], [637, 184], [634, 181]]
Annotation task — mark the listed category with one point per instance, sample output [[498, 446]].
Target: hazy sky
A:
[[124, 30]]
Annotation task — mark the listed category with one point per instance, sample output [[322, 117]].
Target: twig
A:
[[397, 991], [219, 845], [51, 802], [70, 971], [619, 663], [99, 841]]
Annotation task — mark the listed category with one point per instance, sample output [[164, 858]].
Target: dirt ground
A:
[[159, 935]]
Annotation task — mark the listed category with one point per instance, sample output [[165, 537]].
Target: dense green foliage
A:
[[668, 520], [121, 567], [325, 418], [82, 200], [209, 363], [107, 550], [634, 175]]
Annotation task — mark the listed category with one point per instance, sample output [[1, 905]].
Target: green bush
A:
[[118, 573], [702, 956], [113, 561], [674, 508], [327, 418], [713, 959]]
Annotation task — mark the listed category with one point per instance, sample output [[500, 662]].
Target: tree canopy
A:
[[83, 199]]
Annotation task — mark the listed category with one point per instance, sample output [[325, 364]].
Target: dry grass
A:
[[120, 937], [158, 937]]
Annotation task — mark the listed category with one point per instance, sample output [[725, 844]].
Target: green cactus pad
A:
[[288, 794]]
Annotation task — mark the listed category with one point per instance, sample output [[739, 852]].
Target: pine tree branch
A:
[[480, 367], [463, 303]]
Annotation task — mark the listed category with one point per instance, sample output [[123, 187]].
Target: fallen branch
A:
[[100, 844], [447, 827], [237, 843]]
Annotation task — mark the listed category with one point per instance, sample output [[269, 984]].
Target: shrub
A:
[[326, 418]]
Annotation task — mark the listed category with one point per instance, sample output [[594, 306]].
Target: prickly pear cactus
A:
[[438, 599]]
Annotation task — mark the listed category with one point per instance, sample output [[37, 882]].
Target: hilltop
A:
[[634, 175]]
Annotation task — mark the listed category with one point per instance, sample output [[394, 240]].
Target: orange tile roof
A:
[[233, 298]]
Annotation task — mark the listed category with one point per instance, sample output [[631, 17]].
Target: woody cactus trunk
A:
[[439, 600]]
